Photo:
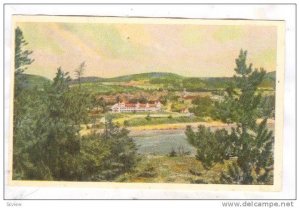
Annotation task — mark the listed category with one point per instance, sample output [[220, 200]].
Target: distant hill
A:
[[131, 77], [269, 80], [272, 75], [144, 76], [221, 82], [88, 79], [216, 82], [167, 79], [35, 80]]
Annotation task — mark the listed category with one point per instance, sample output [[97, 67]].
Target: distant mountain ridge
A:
[[89, 79], [152, 75], [144, 76], [210, 82]]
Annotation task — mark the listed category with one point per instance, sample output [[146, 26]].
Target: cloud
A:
[[118, 49], [229, 33]]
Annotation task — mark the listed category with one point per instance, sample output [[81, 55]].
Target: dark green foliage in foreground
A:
[[267, 107], [47, 143], [46, 136], [250, 143], [122, 150], [47, 121], [208, 142], [107, 155], [255, 153], [22, 59]]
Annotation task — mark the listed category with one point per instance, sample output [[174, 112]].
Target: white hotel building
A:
[[136, 107]]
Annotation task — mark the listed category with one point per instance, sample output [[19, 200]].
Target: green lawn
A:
[[160, 120]]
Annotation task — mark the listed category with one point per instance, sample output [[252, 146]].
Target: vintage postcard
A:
[[154, 102]]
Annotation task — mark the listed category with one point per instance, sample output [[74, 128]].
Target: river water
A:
[[162, 142]]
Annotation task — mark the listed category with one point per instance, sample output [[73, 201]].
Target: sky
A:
[[114, 49]]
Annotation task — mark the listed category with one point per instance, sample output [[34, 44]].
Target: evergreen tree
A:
[[22, 99], [267, 107], [123, 156], [249, 142], [31, 110], [21, 56], [109, 154], [58, 146], [22, 59], [48, 141]]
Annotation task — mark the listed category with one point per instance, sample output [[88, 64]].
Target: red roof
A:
[[130, 104], [189, 97]]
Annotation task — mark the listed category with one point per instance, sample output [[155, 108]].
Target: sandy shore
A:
[[217, 124], [181, 126]]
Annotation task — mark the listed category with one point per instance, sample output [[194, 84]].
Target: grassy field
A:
[[180, 169], [155, 118], [99, 88], [159, 120]]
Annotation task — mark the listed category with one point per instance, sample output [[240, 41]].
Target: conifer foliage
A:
[[47, 144], [250, 143]]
